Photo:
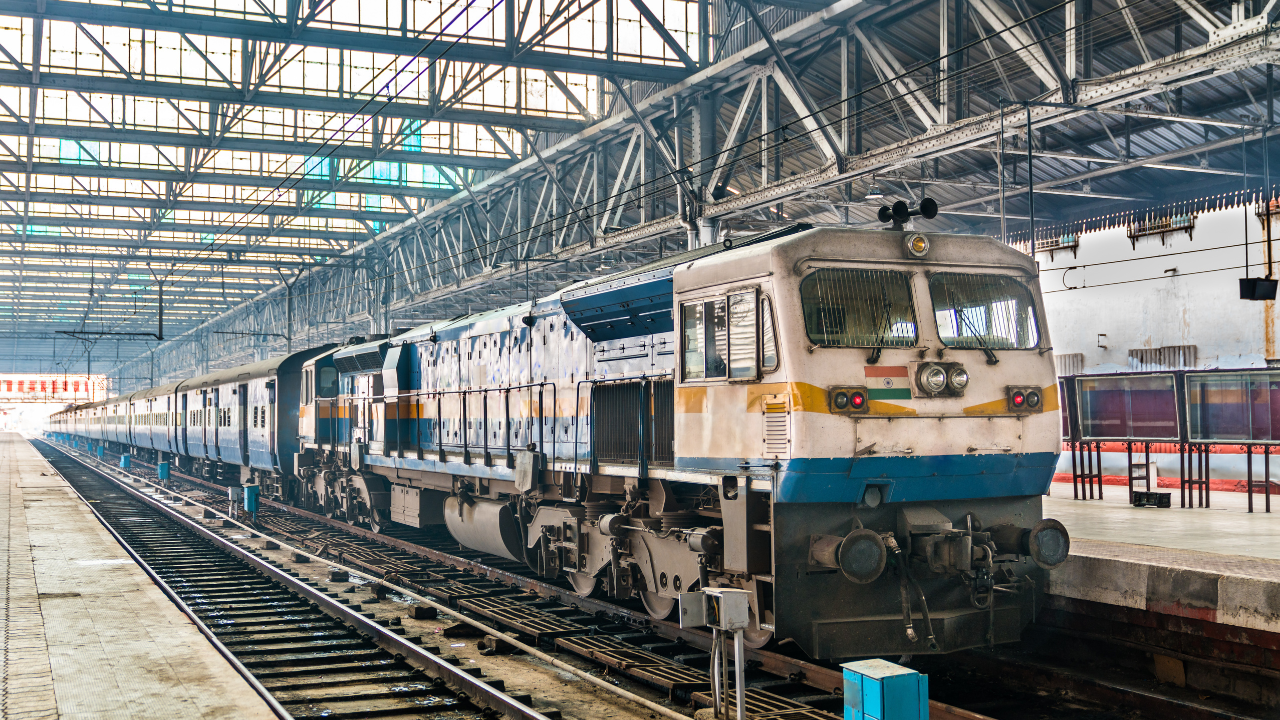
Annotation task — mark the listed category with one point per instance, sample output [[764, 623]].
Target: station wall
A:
[[1111, 295]]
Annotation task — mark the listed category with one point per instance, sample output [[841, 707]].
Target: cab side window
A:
[[705, 329], [768, 341], [729, 337], [328, 382], [743, 358]]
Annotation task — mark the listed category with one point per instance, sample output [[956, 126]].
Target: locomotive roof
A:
[[262, 368], [789, 253], [156, 391]]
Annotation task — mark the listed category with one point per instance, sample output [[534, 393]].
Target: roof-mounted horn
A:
[[900, 213]]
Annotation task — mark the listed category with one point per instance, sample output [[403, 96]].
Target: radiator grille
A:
[[777, 427], [1069, 364], [617, 422]]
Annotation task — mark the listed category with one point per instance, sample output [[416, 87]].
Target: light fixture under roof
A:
[[874, 192]]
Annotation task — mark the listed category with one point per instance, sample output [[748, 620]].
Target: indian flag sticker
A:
[[888, 382]]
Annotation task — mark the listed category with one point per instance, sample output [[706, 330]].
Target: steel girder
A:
[[469, 251], [264, 209], [398, 41], [268, 182], [342, 151]]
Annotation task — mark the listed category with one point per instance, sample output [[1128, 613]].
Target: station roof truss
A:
[[280, 174]]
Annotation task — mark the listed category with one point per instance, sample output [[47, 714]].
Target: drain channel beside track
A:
[[315, 656]]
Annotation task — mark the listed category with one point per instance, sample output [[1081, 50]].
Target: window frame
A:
[[761, 299], [1037, 307], [723, 295], [913, 304]]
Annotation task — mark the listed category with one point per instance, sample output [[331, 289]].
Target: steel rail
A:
[[477, 690], [186, 609], [801, 671]]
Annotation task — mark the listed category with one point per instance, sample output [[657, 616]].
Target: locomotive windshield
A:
[[983, 312], [858, 308]]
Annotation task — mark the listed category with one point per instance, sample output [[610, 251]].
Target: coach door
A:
[[206, 424], [271, 423], [243, 426]]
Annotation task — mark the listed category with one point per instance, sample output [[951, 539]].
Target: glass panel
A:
[[770, 343], [1234, 406], [742, 336], [1143, 406], [717, 339], [858, 308], [692, 322], [328, 382], [973, 311]]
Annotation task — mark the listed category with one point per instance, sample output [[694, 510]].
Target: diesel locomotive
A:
[[856, 426]]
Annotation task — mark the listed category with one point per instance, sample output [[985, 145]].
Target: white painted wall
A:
[[1183, 290]]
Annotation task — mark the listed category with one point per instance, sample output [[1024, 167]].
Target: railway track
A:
[[628, 641], [656, 654], [307, 652]]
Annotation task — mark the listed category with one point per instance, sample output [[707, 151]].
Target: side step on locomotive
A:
[[856, 426]]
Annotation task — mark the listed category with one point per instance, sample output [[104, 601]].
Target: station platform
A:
[[1216, 566], [84, 633]]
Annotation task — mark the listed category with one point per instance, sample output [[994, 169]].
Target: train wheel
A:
[[583, 584], [659, 607]]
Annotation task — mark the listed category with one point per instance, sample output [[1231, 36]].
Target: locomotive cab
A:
[[904, 439]]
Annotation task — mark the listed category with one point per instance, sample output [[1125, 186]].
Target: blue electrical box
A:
[[881, 690], [162, 471], [124, 461], [251, 498], [99, 452]]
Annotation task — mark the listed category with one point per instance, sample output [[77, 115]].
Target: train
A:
[[856, 426]]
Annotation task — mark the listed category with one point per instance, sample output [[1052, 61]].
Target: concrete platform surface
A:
[[84, 633], [1220, 565], [1225, 527]]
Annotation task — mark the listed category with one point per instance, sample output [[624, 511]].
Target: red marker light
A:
[[1019, 399], [858, 400]]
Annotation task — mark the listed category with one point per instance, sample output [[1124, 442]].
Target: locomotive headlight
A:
[[841, 400], [933, 379], [917, 245], [958, 379]]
